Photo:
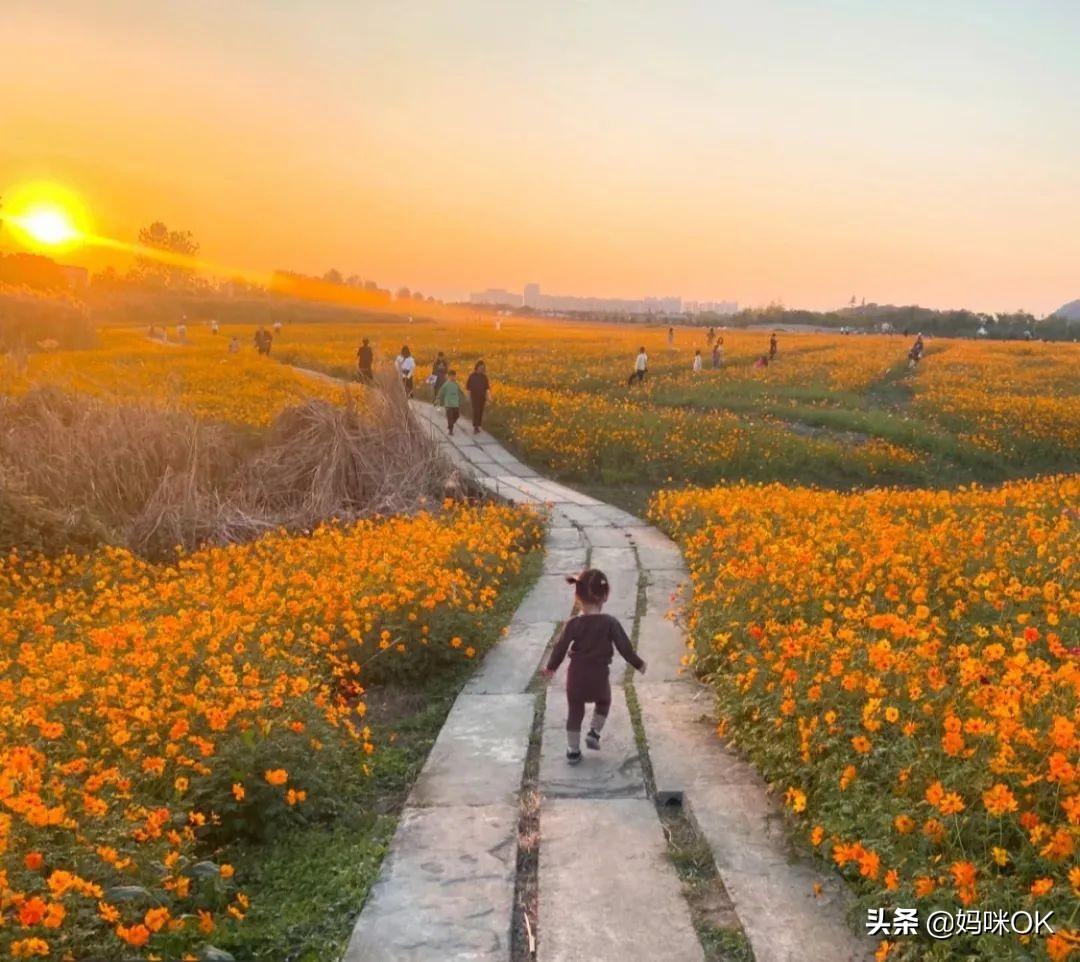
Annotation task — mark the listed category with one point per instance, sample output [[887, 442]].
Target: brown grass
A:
[[154, 480]]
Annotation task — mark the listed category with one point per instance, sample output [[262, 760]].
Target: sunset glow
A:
[[902, 152]]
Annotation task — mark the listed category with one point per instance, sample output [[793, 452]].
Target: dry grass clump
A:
[[154, 480]]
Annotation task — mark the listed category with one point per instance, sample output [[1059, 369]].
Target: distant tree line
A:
[[1017, 325]]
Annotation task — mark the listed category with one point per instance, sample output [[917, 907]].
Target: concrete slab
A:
[[445, 891], [727, 799], [606, 536], [616, 516], [582, 514], [622, 603], [479, 756], [564, 536], [501, 489], [608, 892], [613, 772], [510, 666], [615, 561], [662, 644], [561, 492], [567, 560], [550, 599], [654, 554]]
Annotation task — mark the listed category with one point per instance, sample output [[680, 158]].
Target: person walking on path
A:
[[479, 387], [711, 336], [641, 368], [718, 354], [671, 338], [365, 362], [406, 367], [450, 397], [697, 361], [591, 639], [772, 347], [438, 372], [234, 346]]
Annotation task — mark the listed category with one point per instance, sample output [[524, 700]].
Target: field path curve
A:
[[607, 888]]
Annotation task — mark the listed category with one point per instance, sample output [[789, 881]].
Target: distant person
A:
[[277, 327], [479, 388], [365, 362], [438, 372], [262, 339], [181, 332], [711, 336], [234, 345], [772, 347], [762, 361], [671, 337], [450, 397], [406, 367], [591, 639], [697, 361], [213, 327], [717, 356], [641, 368]]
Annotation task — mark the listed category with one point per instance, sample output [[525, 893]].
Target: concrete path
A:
[[607, 890]]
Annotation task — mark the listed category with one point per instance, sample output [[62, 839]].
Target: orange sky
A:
[[799, 151]]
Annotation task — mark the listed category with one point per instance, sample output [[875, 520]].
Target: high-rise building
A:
[[495, 297]]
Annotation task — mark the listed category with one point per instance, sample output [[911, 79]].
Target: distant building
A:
[[569, 303], [711, 307], [495, 297], [76, 278]]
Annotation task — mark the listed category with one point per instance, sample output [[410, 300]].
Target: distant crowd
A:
[[446, 390]]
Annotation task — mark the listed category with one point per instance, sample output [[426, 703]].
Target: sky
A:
[[801, 151]]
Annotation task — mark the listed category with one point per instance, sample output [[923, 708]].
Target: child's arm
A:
[[558, 653], [623, 646]]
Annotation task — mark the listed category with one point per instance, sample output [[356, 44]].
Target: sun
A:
[[45, 216], [50, 226]]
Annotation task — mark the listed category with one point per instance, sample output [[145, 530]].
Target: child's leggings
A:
[[576, 714]]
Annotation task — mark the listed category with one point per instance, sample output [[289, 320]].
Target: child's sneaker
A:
[[592, 740], [573, 757]]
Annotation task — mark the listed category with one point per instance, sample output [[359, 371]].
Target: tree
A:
[[333, 276], [173, 268], [403, 294]]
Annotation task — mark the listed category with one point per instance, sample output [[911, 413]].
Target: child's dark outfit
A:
[[450, 397], [591, 641]]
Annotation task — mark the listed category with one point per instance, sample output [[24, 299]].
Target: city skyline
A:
[[781, 151], [533, 297]]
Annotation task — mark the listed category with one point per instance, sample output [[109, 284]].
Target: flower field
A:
[[200, 377], [152, 718], [832, 409], [904, 666]]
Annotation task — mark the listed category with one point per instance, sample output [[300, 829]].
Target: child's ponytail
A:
[[591, 586]]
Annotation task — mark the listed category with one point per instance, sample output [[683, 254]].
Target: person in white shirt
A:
[[697, 361], [641, 366], [406, 367]]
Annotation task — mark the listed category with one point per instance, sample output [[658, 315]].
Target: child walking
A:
[[450, 397], [591, 639]]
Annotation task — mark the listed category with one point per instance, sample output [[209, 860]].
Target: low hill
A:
[[1070, 311]]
